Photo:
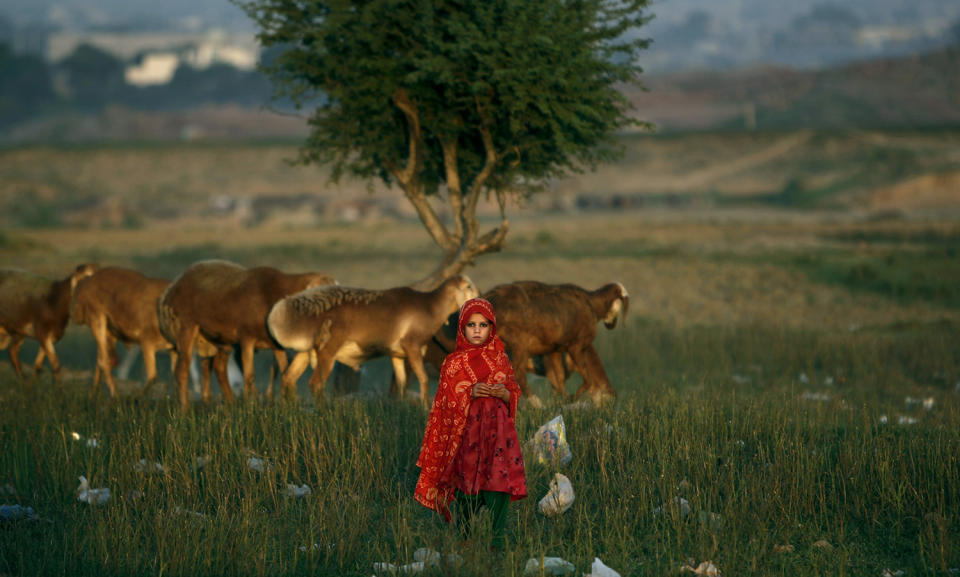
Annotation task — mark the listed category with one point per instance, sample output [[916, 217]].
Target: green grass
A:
[[774, 437]]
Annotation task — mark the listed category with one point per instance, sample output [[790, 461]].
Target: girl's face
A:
[[477, 329]]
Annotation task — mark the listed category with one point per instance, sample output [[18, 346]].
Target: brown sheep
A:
[[227, 304], [119, 304], [534, 318], [32, 306], [352, 325]]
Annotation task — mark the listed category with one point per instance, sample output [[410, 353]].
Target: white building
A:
[[153, 58]]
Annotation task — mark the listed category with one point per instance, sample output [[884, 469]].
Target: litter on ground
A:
[[550, 443], [91, 496], [554, 566], [559, 498]]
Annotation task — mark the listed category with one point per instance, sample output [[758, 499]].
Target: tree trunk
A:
[[455, 262]]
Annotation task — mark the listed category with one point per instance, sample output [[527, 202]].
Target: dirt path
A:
[[705, 177]]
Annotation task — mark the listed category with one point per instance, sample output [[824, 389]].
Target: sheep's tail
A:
[[167, 319], [281, 323]]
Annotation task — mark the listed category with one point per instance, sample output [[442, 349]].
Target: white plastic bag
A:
[[298, 492], [559, 498], [554, 566], [550, 443], [92, 496], [598, 569]]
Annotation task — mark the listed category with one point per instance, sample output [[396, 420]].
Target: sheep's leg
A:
[[318, 380], [98, 326], [219, 361], [246, 358], [149, 352], [555, 372], [17, 342], [185, 340], [520, 357], [277, 368], [415, 356], [293, 371], [595, 380], [399, 385], [51, 354]]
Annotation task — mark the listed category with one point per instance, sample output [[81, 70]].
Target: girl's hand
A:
[[487, 390]]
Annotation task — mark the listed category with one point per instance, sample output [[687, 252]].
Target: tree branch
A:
[[454, 189], [408, 177], [470, 214]]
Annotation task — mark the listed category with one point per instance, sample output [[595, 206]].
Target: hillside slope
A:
[[916, 91]]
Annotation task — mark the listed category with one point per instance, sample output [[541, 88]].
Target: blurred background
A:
[[81, 70]]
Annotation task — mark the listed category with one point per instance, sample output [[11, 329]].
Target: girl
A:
[[470, 449]]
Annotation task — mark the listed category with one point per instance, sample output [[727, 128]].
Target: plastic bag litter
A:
[[427, 556], [681, 504], [598, 569], [92, 496], [91, 442], [298, 492], [706, 568], [16, 513], [257, 464], [142, 466], [559, 498], [551, 566], [550, 443], [391, 569]]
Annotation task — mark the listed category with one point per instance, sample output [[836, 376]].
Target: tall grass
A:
[[775, 439]]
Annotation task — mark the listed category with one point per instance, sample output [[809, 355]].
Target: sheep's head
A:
[[81, 272], [618, 306], [320, 280], [464, 289]]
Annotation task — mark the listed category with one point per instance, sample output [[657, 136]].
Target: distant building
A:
[[153, 69], [153, 58]]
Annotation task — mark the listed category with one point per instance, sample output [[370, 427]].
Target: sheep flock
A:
[[217, 309]]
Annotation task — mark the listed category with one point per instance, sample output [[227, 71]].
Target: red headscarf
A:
[[467, 365]]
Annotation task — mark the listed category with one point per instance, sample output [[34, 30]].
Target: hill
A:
[[916, 91]]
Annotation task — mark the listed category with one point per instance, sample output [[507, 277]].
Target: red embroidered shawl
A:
[[467, 365]]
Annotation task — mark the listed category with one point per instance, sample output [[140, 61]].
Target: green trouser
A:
[[469, 506]]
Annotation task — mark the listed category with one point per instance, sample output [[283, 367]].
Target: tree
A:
[[95, 77], [453, 100], [25, 86]]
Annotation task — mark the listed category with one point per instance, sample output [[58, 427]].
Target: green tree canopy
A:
[[456, 99]]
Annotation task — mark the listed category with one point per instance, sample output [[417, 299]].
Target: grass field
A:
[[794, 376]]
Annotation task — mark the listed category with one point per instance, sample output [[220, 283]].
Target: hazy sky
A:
[[748, 14]]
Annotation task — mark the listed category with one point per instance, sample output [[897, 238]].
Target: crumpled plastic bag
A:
[[550, 443], [382, 568], [705, 569], [92, 496], [298, 492], [554, 566], [598, 569], [16, 513], [142, 466], [427, 556], [559, 498], [92, 442], [257, 464]]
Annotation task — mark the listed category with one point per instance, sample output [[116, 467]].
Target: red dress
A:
[[484, 427], [488, 458]]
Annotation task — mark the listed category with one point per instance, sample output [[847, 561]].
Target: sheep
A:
[[534, 318], [352, 325], [227, 304], [39, 308], [119, 304]]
